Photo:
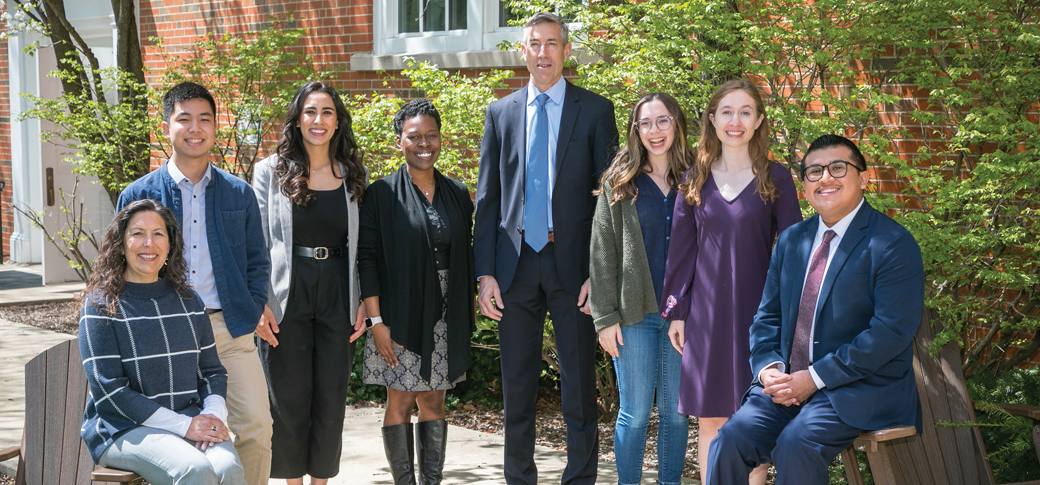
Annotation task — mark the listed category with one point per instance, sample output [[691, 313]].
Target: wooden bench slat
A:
[[887, 434], [8, 453], [35, 417], [102, 474]]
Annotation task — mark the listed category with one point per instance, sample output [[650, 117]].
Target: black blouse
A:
[[438, 226], [323, 222]]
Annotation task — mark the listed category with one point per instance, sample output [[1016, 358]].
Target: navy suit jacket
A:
[[586, 144], [868, 311]]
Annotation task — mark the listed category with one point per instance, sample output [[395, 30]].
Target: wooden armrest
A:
[[8, 453], [868, 440], [102, 474], [1032, 412]]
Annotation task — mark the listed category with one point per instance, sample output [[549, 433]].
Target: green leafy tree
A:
[[974, 202], [110, 135], [108, 141]]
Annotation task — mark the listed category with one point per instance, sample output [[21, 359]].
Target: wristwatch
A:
[[369, 322]]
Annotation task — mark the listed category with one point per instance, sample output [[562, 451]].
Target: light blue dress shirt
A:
[[554, 111], [196, 242]]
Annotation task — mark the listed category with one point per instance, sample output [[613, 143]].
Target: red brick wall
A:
[[6, 209]]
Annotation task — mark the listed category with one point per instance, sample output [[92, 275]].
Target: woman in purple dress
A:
[[735, 202]]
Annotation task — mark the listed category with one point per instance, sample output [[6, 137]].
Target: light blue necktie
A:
[[536, 206]]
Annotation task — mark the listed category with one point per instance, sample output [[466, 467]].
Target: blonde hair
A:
[[633, 158], [709, 149]]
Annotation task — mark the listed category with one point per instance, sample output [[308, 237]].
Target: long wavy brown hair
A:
[[633, 159], [294, 167], [108, 279], [709, 148]]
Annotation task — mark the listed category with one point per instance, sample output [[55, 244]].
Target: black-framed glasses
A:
[[837, 169], [646, 124]]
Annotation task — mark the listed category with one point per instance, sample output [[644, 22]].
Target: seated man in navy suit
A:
[[831, 345]]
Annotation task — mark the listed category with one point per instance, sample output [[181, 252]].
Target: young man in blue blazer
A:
[[831, 345]]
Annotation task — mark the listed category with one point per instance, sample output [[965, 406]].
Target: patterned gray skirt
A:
[[405, 377]]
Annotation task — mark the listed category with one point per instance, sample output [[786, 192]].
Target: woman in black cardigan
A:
[[415, 260]]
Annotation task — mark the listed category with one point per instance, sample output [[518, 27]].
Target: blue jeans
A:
[[164, 458], [648, 361]]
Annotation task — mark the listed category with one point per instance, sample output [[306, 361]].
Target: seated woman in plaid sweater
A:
[[157, 388]]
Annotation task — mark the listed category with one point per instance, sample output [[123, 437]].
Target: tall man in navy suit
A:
[[543, 151], [832, 341]]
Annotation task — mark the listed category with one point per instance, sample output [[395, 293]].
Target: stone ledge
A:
[[486, 59]]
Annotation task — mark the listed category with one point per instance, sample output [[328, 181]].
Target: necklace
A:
[[424, 191]]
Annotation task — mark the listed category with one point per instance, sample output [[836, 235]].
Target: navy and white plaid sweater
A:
[[157, 349]]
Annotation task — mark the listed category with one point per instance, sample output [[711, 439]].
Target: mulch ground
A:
[[551, 431], [58, 317]]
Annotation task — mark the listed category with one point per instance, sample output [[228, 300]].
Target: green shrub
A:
[[1008, 439]]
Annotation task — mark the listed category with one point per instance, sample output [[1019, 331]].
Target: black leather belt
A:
[[210, 311], [321, 252]]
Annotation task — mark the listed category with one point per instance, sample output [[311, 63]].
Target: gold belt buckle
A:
[[321, 253]]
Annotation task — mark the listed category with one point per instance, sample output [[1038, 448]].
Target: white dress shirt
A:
[[193, 228]]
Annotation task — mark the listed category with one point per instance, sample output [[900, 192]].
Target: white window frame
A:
[[481, 33]]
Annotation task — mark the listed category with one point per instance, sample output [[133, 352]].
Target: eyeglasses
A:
[[646, 124], [837, 169]]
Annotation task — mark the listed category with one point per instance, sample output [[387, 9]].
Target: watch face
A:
[[368, 323]]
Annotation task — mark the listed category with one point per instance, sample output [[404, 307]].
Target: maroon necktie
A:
[[807, 307]]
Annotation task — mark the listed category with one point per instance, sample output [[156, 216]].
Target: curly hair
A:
[[709, 148], [413, 108], [293, 168], [633, 159], [108, 278]]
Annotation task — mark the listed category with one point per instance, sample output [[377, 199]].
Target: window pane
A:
[[457, 20], [433, 16], [409, 15], [505, 14]]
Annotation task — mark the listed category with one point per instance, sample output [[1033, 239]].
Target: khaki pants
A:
[[249, 409]]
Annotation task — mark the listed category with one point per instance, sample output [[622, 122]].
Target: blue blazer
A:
[[868, 311], [587, 142]]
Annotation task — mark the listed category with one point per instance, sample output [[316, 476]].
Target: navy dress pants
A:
[[800, 441], [535, 288]]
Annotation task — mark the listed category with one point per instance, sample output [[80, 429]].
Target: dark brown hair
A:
[[108, 277], [293, 168], [633, 159], [709, 148]]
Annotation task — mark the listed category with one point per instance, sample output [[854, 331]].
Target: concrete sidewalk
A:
[[12, 274], [472, 456]]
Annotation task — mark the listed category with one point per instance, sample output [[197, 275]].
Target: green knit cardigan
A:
[[622, 290]]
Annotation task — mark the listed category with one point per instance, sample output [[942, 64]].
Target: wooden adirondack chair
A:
[[940, 455], [52, 452]]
